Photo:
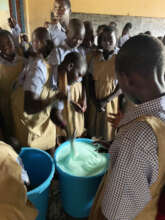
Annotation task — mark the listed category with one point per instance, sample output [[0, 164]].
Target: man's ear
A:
[[70, 67]]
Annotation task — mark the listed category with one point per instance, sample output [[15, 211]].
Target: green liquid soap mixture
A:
[[81, 159]]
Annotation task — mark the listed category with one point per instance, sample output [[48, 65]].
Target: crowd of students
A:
[[68, 81]]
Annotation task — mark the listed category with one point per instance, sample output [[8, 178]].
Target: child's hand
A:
[[83, 105], [104, 146], [77, 107], [115, 119]]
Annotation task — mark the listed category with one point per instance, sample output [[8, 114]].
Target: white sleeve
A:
[[36, 78], [17, 29]]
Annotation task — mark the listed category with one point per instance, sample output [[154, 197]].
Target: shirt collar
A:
[[156, 106]]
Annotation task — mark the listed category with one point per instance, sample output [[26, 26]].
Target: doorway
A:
[[17, 11]]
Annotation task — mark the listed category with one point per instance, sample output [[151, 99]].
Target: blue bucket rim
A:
[[86, 140], [40, 187]]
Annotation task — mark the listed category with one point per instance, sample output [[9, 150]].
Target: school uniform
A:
[[132, 186], [123, 39], [13, 199], [9, 71], [57, 56], [74, 119], [103, 74], [57, 33], [16, 31], [34, 130]]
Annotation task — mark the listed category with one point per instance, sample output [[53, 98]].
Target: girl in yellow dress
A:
[[33, 96], [10, 67], [102, 83], [73, 103]]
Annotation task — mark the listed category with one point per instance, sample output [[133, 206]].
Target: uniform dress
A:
[[34, 130], [9, 71], [103, 73], [13, 199], [74, 119]]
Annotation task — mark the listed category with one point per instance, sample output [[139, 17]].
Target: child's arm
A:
[[110, 97], [33, 104]]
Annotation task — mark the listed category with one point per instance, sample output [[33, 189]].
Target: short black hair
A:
[[76, 24], [43, 35], [5, 33], [75, 58], [141, 54], [126, 28], [66, 2], [106, 29]]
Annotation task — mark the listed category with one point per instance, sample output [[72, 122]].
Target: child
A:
[[102, 83], [125, 34], [88, 42], [31, 100], [62, 11], [10, 67], [135, 177], [25, 42], [15, 30], [75, 36], [71, 72], [13, 200]]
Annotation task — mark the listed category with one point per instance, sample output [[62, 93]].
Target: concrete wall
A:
[[145, 8], [140, 24], [4, 14]]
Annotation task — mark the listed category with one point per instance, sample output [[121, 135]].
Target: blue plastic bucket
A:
[[77, 193], [40, 168]]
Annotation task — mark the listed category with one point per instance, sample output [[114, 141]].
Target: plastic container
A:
[[40, 168], [77, 193]]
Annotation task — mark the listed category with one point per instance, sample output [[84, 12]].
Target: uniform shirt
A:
[[16, 33], [123, 39], [57, 33], [34, 76], [57, 57], [134, 163]]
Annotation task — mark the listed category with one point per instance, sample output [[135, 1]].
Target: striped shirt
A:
[[134, 163]]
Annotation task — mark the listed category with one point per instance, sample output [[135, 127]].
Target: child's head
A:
[[75, 66], [89, 35], [7, 46], [126, 28], [62, 11], [100, 29], [107, 39], [11, 23], [113, 24], [141, 72], [24, 37], [148, 33], [41, 42], [75, 33]]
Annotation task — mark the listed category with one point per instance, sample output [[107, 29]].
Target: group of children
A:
[[66, 82]]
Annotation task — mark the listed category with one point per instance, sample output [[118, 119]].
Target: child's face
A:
[[74, 38], [76, 74], [37, 44], [61, 12], [7, 48], [108, 41]]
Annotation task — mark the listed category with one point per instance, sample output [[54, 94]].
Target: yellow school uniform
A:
[[34, 130], [8, 75], [150, 210], [13, 200], [104, 79], [75, 120]]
